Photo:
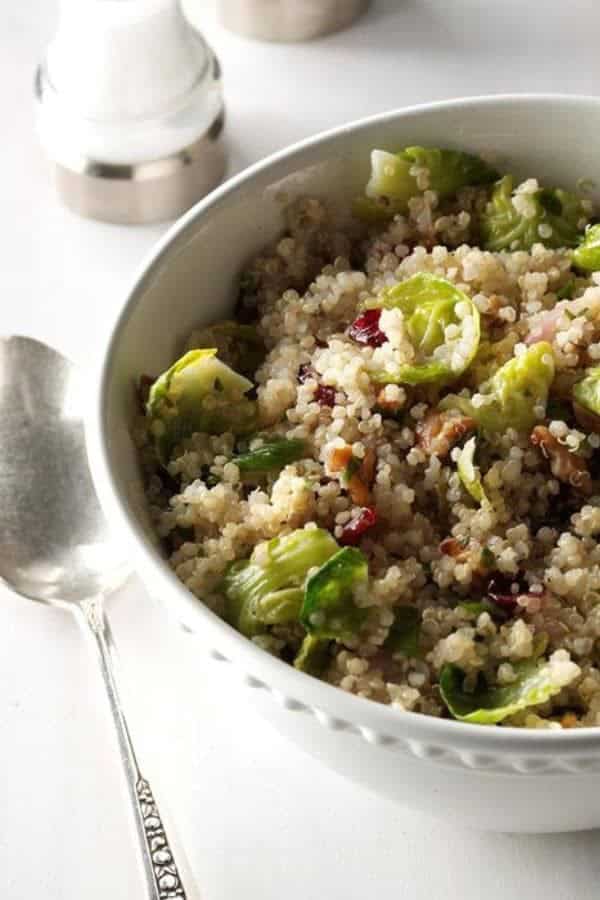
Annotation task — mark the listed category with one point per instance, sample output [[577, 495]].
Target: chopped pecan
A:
[[564, 464], [439, 431], [451, 546], [357, 475], [361, 480], [358, 490], [367, 469]]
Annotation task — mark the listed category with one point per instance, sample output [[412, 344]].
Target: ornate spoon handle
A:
[[160, 871]]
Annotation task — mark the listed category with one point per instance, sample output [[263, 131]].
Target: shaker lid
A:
[[131, 140]]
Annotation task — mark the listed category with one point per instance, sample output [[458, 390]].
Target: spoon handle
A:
[[160, 871]]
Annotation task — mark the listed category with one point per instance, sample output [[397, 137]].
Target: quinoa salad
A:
[[385, 470]]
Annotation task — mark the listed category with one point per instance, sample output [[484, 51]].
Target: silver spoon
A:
[[55, 545]]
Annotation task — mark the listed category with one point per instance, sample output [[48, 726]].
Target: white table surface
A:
[[258, 818]]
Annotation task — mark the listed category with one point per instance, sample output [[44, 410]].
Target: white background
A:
[[258, 819]]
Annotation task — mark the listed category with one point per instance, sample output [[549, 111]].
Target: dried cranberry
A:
[[356, 527], [499, 592], [365, 329], [325, 395], [305, 372], [506, 602]]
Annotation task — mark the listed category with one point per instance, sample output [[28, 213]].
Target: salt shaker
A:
[[130, 110], [288, 20]]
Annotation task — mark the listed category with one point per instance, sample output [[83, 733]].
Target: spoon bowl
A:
[[55, 545]]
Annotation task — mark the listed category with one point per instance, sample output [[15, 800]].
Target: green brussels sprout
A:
[[239, 346], [536, 681], [329, 609], [268, 588], [469, 473], [271, 456], [448, 170], [198, 393], [313, 655], [587, 391], [490, 356], [403, 636], [553, 218], [586, 255], [442, 323], [376, 210], [511, 395]]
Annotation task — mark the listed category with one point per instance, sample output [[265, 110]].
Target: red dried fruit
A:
[[365, 329], [499, 592], [356, 527], [325, 395]]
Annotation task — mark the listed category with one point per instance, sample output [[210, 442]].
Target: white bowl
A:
[[495, 778]]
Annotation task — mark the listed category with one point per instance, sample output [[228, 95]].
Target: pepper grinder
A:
[[130, 110]]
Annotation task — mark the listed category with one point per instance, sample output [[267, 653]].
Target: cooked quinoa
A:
[[475, 523]]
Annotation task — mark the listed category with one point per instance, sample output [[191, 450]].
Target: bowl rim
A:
[[256, 662]]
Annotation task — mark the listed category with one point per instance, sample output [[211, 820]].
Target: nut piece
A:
[[564, 464], [451, 546], [439, 431], [357, 476]]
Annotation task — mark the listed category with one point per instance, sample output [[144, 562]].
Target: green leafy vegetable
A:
[[329, 609], [237, 344], [198, 393], [511, 395], [271, 456], [567, 290], [442, 323], [268, 588], [403, 636], [535, 682], [586, 255], [447, 172], [587, 391], [488, 560], [313, 655], [548, 216], [469, 473], [476, 607]]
